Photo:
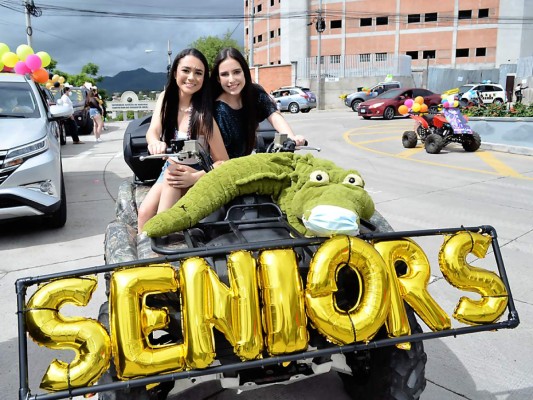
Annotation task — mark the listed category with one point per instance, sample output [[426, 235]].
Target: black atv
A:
[[381, 368]]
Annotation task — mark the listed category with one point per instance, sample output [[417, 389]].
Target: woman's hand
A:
[[300, 140], [182, 176], [157, 147]]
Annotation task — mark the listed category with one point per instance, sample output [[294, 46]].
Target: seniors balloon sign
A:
[[263, 309]]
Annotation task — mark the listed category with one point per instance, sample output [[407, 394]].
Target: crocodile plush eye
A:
[[354, 180], [319, 177]]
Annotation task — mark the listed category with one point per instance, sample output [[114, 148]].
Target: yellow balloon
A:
[[23, 51], [9, 59], [419, 100], [4, 48], [131, 321], [456, 270], [415, 107], [45, 58], [284, 305], [61, 79], [414, 283], [86, 337], [55, 78], [48, 85], [363, 320]]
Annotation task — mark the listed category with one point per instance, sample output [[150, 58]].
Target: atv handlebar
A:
[[181, 150], [282, 144]]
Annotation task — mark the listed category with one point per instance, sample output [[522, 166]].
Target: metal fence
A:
[[355, 65]]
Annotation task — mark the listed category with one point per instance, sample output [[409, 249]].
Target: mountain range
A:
[[136, 80]]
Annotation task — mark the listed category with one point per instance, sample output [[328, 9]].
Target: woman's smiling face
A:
[[190, 75], [231, 76]]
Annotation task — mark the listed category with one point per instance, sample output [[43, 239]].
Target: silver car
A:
[[31, 174], [294, 99]]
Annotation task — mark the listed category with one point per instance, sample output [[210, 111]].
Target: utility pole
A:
[[320, 27], [29, 31], [169, 52], [251, 34]]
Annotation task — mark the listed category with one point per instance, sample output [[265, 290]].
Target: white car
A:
[[31, 175], [488, 93]]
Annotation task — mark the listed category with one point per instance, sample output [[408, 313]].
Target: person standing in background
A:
[[95, 112], [70, 124]]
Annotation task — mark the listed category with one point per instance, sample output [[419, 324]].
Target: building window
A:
[[259, 8], [465, 14], [428, 54], [483, 13], [335, 24], [381, 56], [382, 20], [336, 59], [364, 57], [272, 34], [271, 3], [412, 54], [246, 3], [430, 17], [481, 52], [413, 18], [366, 22], [321, 59], [462, 52], [259, 38], [246, 30], [279, 31]]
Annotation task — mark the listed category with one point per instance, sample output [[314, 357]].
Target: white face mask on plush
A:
[[329, 220]]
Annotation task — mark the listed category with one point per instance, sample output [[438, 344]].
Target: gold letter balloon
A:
[[86, 337], [362, 322], [456, 270]]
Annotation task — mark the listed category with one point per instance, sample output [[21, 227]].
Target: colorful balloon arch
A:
[[24, 61]]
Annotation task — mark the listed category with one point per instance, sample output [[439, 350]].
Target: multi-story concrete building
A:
[[467, 34]]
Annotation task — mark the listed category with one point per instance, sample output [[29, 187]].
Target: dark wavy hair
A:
[[249, 93], [201, 102]]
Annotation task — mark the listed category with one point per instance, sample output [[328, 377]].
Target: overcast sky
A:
[[114, 34]]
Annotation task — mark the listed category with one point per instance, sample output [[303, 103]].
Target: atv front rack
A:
[[316, 354]]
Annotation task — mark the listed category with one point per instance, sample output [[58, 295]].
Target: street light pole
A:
[[320, 27]]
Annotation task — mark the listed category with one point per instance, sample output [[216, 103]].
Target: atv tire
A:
[[471, 142], [434, 143], [409, 139], [393, 374]]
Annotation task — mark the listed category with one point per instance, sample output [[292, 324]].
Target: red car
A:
[[386, 104]]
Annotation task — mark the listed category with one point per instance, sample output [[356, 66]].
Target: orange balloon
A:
[[403, 109], [423, 108], [40, 75], [419, 100]]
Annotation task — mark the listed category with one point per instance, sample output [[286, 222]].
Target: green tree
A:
[[211, 45]]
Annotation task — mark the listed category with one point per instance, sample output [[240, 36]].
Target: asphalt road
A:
[[412, 189]]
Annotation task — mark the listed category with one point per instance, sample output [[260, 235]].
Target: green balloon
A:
[[4, 48], [24, 51]]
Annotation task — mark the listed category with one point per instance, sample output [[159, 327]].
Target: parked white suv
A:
[[488, 93], [31, 175]]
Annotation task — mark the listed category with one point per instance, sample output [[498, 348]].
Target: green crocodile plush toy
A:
[[318, 197]]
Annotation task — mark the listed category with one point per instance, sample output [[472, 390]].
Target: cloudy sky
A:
[[115, 34]]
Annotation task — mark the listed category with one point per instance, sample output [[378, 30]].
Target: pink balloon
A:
[[21, 68], [409, 103], [34, 62]]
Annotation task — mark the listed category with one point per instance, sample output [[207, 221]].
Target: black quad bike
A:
[[383, 368]]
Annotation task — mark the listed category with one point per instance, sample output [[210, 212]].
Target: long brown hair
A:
[[249, 93], [202, 114]]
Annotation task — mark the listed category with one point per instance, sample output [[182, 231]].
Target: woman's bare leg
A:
[[149, 205]]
